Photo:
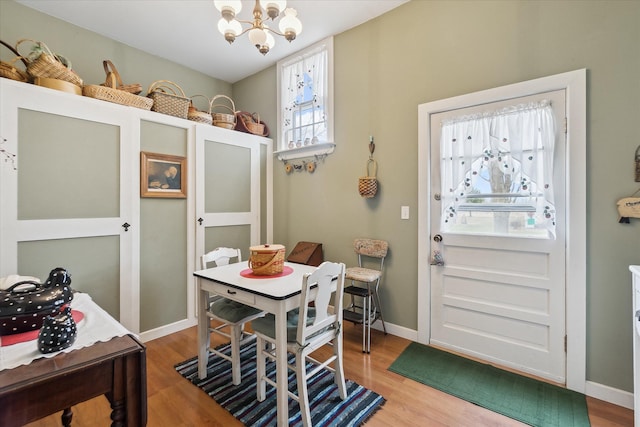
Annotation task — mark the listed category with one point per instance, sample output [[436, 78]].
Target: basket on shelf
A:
[[110, 69], [200, 116], [368, 185], [251, 123], [9, 71], [266, 260], [107, 92], [223, 120], [44, 63], [168, 98]]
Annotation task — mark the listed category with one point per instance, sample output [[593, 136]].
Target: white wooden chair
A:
[[308, 328], [365, 307], [232, 314]]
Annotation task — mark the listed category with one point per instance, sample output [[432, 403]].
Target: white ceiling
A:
[[185, 31]]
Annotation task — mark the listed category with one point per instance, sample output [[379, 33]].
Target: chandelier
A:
[[260, 34]]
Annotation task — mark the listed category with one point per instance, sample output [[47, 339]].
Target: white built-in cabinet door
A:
[[67, 195], [229, 183]]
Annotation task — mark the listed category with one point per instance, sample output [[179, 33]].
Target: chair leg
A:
[[303, 395], [261, 386], [236, 332], [365, 312], [369, 313], [339, 369], [379, 307]]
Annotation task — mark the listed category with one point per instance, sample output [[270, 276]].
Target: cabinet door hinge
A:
[[565, 343]]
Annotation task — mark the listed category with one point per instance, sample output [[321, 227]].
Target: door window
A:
[[497, 172]]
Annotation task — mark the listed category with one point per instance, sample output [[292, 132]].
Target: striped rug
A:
[[327, 409]]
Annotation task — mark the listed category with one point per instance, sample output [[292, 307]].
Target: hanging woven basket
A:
[[368, 185]]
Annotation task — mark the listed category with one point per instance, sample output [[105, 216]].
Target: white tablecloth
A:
[[96, 326]]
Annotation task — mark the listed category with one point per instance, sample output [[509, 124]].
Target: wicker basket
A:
[[110, 70], [50, 65], [168, 98], [251, 122], [266, 260], [368, 185], [9, 71], [200, 116], [223, 120], [58, 84], [108, 92]]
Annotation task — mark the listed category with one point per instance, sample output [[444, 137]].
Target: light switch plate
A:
[[404, 212]]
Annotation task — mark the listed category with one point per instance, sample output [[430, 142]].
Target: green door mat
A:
[[524, 399]]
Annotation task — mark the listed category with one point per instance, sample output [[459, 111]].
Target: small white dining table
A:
[[273, 294]]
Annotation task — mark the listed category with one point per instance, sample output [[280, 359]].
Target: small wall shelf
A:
[[312, 150]]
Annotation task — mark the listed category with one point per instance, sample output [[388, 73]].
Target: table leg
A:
[[67, 415], [203, 332], [281, 367]]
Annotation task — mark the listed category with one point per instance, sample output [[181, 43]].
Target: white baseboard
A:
[[167, 329], [610, 394]]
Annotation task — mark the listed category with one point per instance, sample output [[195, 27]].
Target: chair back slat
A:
[[322, 278], [220, 256]]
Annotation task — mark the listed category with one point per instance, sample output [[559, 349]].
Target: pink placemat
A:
[[247, 272], [6, 340]]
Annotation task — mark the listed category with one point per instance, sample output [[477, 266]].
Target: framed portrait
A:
[[163, 175]]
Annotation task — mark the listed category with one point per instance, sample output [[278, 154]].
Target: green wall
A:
[[420, 52], [429, 50]]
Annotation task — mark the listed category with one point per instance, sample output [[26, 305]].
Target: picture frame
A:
[[163, 176]]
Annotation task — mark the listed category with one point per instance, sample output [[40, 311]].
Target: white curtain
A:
[[502, 160], [303, 81]]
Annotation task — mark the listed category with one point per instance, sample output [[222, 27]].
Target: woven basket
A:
[[108, 92], [266, 260], [110, 70], [168, 98], [368, 185], [50, 65], [200, 116], [251, 122], [223, 120], [9, 71]]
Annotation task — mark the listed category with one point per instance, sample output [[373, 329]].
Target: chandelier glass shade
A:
[[259, 33]]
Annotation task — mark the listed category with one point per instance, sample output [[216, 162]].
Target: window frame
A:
[[326, 147]]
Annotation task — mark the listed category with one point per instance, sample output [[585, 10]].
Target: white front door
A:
[[500, 294]]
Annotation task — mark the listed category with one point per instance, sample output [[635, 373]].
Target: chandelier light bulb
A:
[[290, 25], [228, 8], [257, 36], [274, 7], [229, 29]]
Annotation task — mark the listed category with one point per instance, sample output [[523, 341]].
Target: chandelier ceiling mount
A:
[[260, 34]]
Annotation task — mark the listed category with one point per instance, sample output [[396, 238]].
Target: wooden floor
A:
[[174, 402]]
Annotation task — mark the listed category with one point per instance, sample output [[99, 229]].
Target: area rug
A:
[[524, 399], [327, 409]]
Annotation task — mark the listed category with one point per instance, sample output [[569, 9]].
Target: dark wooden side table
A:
[[116, 369]]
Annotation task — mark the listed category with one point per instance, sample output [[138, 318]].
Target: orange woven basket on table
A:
[[266, 260], [9, 71]]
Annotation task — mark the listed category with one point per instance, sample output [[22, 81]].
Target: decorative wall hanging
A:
[[638, 164], [629, 207], [162, 175], [368, 185]]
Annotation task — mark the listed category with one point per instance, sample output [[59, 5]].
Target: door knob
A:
[[437, 238]]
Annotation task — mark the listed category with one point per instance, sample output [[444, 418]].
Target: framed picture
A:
[[163, 175]]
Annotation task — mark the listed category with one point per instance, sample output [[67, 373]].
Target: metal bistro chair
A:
[[365, 306], [232, 314], [308, 328]]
